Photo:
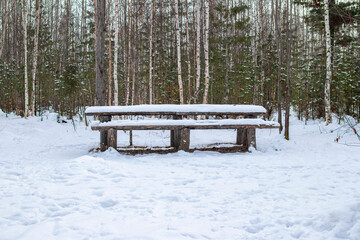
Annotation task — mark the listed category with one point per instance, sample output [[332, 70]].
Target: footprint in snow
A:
[[108, 203]]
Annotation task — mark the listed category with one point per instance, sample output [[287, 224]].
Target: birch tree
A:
[[188, 50], [35, 55], [288, 67], [116, 50], [328, 65], [198, 70], [178, 49], [24, 17], [206, 52]]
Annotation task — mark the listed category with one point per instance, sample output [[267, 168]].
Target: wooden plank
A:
[[174, 127]]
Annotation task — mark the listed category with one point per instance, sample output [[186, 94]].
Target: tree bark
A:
[[4, 29], [328, 65], [288, 68], [188, 51], [99, 51], [198, 70], [116, 50], [110, 63], [262, 62], [24, 16], [35, 55], [206, 53], [178, 49], [151, 51], [280, 60]]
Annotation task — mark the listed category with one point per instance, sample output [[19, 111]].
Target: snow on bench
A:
[[179, 124]]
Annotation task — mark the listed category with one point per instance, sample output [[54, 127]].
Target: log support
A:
[[112, 138], [184, 139], [246, 137], [104, 144]]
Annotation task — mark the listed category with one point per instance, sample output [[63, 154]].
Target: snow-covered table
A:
[[180, 119]]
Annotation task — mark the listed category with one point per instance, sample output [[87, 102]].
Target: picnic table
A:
[[179, 119]]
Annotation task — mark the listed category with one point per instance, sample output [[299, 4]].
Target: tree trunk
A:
[[206, 52], [151, 52], [100, 50], [24, 16], [35, 55], [2, 43], [198, 70], [178, 47], [110, 70], [128, 70], [227, 62], [188, 51], [262, 66], [328, 65], [116, 49], [288, 68], [280, 60]]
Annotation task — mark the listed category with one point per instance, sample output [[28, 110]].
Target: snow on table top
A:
[[191, 122], [174, 108]]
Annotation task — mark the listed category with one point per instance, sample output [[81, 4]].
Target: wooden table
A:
[[179, 119]]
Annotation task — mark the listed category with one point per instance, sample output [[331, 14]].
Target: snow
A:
[[190, 122], [51, 187], [195, 108]]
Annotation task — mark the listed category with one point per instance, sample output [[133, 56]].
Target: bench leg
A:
[[104, 144], [246, 137], [103, 140], [185, 139], [112, 138], [175, 138]]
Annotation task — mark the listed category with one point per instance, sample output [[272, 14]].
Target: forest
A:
[[282, 54]]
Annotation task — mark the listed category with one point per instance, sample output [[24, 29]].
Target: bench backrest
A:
[[180, 110]]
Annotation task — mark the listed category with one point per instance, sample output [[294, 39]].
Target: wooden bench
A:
[[180, 119]]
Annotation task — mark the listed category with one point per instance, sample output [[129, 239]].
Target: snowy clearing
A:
[[52, 188]]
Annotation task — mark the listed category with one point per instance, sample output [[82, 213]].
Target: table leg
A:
[[104, 145], [246, 137], [185, 139]]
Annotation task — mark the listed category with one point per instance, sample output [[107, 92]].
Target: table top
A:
[[175, 109]]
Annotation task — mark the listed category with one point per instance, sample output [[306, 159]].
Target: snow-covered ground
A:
[[52, 188]]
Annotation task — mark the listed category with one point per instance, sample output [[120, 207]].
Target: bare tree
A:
[[280, 58], [35, 55], [4, 23], [116, 50], [151, 51], [178, 47], [288, 67], [206, 52], [198, 70], [24, 17], [188, 50], [328, 65], [100, 50], [110, 70]]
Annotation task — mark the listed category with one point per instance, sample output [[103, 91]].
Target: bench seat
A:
[[178, 124], [180, 129]]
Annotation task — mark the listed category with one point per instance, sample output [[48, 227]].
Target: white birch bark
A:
[[116, 49], [188, 51], [262, 76], [206, 52], [127, 82], [197, 51], [35, 55], [328, 65], [178, 48], [24, 16]]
